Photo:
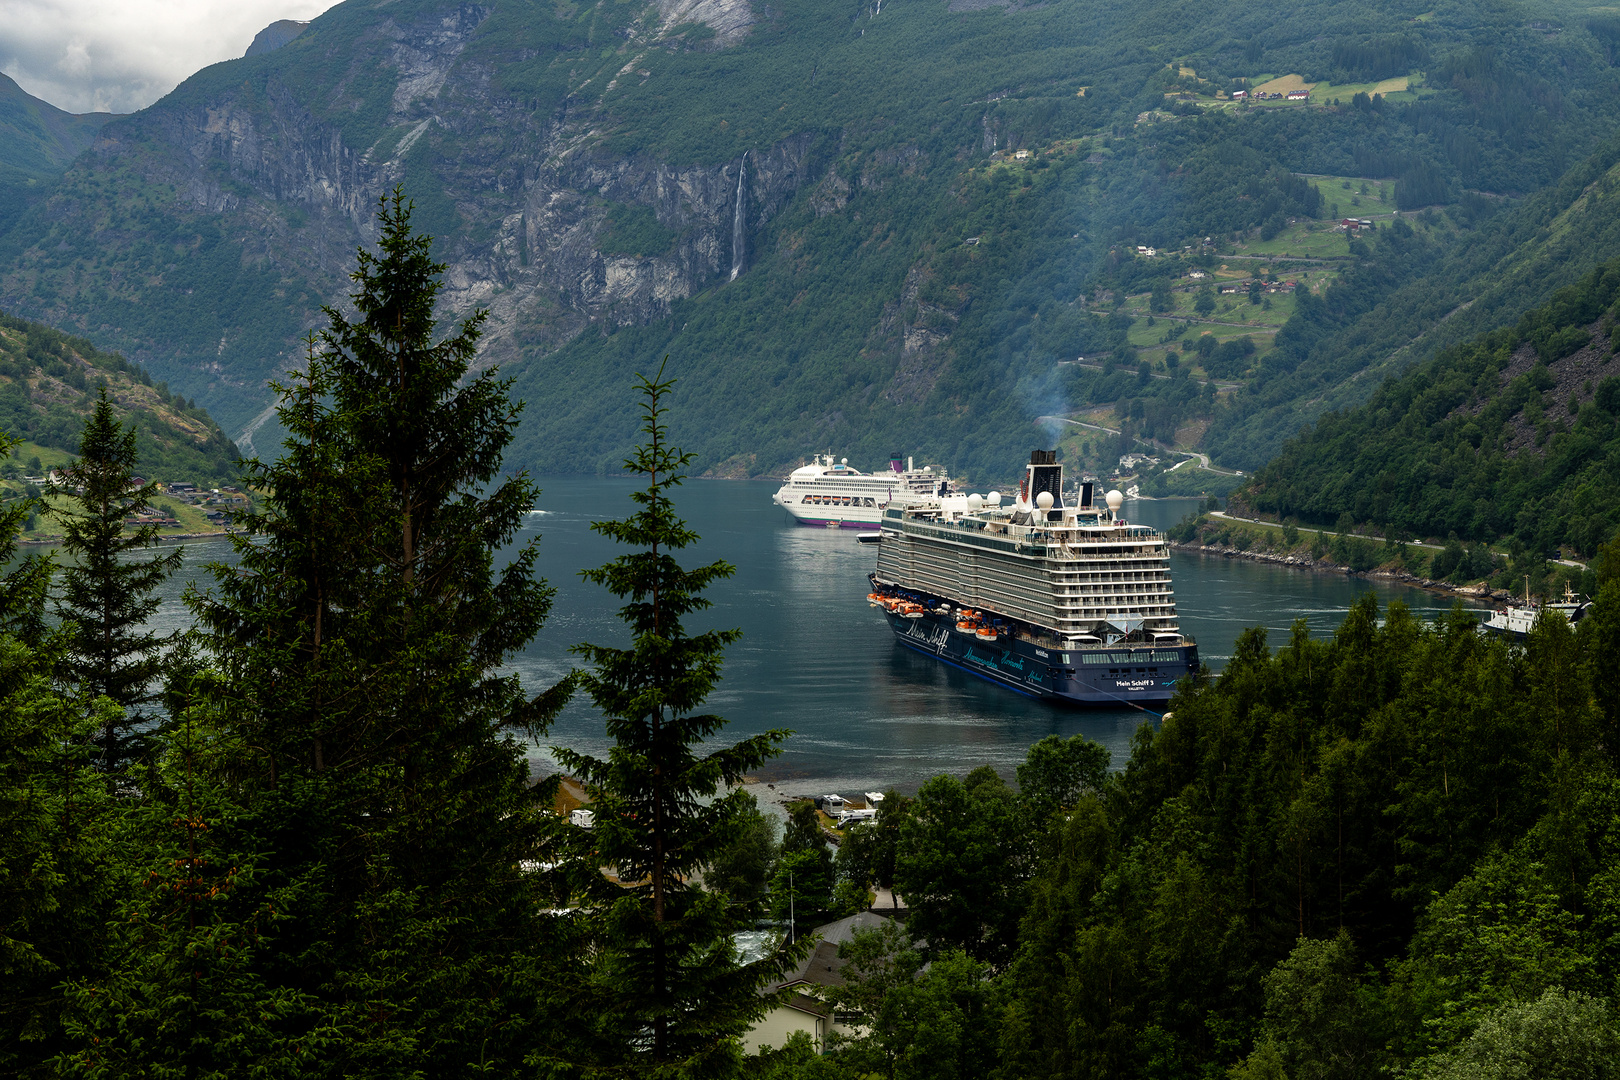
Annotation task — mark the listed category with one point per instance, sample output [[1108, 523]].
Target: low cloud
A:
[[122, 55]]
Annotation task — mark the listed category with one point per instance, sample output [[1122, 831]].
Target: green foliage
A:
[[48, 390], [742, 869], [1558, 1036], [803, 879], [354, 734], [915, 1023], [1057, 772], [1322, 1020], [1447, 449], [106, 596], [665, 992], [870, 849], [962, 864]]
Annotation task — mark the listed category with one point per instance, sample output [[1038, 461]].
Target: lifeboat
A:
[[875, 598], [969, 622], [910, 610], [986, 631]]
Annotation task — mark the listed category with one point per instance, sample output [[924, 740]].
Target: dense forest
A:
[[1513, 434]]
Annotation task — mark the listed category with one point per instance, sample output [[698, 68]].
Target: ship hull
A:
[[872, 520], [1092, 677]]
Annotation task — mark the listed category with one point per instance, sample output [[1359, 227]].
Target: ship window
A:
[[1094, 658], [1113, 671], [1164, 657]]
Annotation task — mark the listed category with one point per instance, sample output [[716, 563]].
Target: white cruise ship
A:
[[1052, 599], [834, 495]]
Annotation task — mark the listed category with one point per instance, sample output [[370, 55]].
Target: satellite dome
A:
[[1044, 500], [843, 461], [993, 499], [1115, 500], [975, 501], [928, 468]]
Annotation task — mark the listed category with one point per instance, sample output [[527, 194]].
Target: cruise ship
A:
[[1067, 602], [834, 495]]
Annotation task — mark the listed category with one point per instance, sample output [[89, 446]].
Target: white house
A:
[[802, 1007]]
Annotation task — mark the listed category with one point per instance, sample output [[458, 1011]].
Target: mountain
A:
[[48, 386], [275, 36], [37, 142], [817, 210], [1513, 433]]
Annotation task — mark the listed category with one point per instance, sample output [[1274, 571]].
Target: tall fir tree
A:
[[667, 995], [54, 809], [107, 593], [364, 719]]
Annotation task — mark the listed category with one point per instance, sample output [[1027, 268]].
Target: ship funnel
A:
[[895, 463], [1044, 476]]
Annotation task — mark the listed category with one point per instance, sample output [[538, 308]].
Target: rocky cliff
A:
[[528, 203]]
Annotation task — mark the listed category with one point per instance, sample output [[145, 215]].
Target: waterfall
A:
[[739, 248]]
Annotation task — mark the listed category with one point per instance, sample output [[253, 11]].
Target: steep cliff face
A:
[[525, 202]]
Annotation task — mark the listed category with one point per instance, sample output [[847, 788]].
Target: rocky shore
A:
[[1478, 593]]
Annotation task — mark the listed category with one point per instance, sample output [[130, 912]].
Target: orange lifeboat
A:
[[986, 631]]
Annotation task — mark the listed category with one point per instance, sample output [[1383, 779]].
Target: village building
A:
[[802, 1007]]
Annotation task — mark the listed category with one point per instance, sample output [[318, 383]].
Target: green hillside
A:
[[48, 384], [1512, 434], [906, 279], [37, 143]]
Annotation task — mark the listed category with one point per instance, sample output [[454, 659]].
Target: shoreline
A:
[[175, 538], [1480, 593]]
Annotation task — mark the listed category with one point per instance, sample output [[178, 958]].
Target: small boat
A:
[[1515, 621], [986, 631]]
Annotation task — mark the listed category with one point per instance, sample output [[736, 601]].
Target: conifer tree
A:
[[364, 719], [667, 995], [107, 595], [54, 850]]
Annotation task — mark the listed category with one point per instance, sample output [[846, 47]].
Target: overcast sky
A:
[[122, 55]]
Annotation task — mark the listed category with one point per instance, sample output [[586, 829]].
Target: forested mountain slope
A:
[[37, 142], [810, 206], [48, 387], [1513, 433], [1413, 295]]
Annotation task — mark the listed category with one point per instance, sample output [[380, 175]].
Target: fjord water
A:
[[866, 713]]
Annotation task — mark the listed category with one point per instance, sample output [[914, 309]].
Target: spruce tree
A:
[[363, 713], [666, 995], [107, 594], [54, 809]]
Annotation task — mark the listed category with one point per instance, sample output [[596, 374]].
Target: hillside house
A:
[[1233, 287], [803, 1008], [1021, 155], [1239, 95], [1299, 95]]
